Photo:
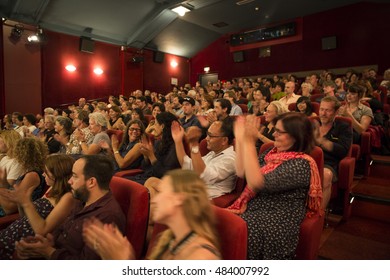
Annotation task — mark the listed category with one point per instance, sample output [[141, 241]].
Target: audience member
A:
[[221, 111], [98, 127], [206, 105], [161, 156], [44, 214], [63, 128], [90, 186], [189, 118], [30, 153], [128, 154], [115, 119], [304, 106], [307, 89], [231, 96], [182, 205], [340, 90], [360, 114], [279, 183], [290, 97], [143, 105], [17, 120], [335, 139], [48, 134], [278, 91], [157, 108], [267, 129], [8, 162], [82, 131]]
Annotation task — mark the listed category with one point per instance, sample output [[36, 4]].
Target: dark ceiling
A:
[[151, 24]]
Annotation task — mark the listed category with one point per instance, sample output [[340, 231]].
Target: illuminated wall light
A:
[[98, 71], [33, 38], [70, 68], [174, 64], [206, 69]]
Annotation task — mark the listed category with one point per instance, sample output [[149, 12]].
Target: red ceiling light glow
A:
[[70, 68], [174, 64]]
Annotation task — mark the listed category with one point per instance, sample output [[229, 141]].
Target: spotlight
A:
[[16, 32], [39, 37]]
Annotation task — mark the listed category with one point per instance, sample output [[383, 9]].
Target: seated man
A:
[[189, 119], [90, 185], [217, 168], [335, 139]]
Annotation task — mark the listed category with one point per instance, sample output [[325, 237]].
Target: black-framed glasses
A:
[[214, 136], [278, 131]]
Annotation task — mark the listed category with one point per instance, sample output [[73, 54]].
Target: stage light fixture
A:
[[16, 32]]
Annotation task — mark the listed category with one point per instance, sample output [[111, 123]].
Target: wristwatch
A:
[[195, 149]]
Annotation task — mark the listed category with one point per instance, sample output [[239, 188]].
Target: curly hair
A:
[[60, 166], [10, 138], [31, 153], [196, 208]]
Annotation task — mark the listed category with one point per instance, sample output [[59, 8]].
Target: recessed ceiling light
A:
[[182, 9]]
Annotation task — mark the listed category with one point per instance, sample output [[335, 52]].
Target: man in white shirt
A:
[[290, 97], [217, 168]]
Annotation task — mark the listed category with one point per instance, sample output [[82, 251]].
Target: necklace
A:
[[176, 249]]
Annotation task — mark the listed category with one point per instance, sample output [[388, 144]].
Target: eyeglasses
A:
[[214, 136], [278, 131], [131, 129]]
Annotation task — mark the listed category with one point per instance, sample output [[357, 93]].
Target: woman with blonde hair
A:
[[267, 129], [8, 163], [46, 213], [30, 153], [183, 206]]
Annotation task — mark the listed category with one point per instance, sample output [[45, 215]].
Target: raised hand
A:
[[107, 241], [177, 132]]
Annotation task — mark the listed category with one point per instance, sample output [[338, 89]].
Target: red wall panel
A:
[[61, 86], [360, 30]]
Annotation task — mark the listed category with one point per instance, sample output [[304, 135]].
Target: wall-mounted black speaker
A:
[[238, 56], [158, 57], [329, 43], [87, 45]]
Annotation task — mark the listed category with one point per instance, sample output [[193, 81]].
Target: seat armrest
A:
[[365, 143], [130, 172], [346, 172]]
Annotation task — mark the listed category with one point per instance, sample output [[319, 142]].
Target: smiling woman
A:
[[279, 179], [44, 214]]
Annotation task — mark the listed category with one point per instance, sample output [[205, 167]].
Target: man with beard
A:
[[335, 138], [90, 185]]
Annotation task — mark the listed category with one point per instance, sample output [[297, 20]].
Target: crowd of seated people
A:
[[161, 132]]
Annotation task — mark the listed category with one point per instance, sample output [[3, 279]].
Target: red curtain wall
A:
[[120, 73]]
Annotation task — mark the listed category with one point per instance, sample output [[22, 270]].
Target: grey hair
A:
[[99, 118], [309, 85]]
